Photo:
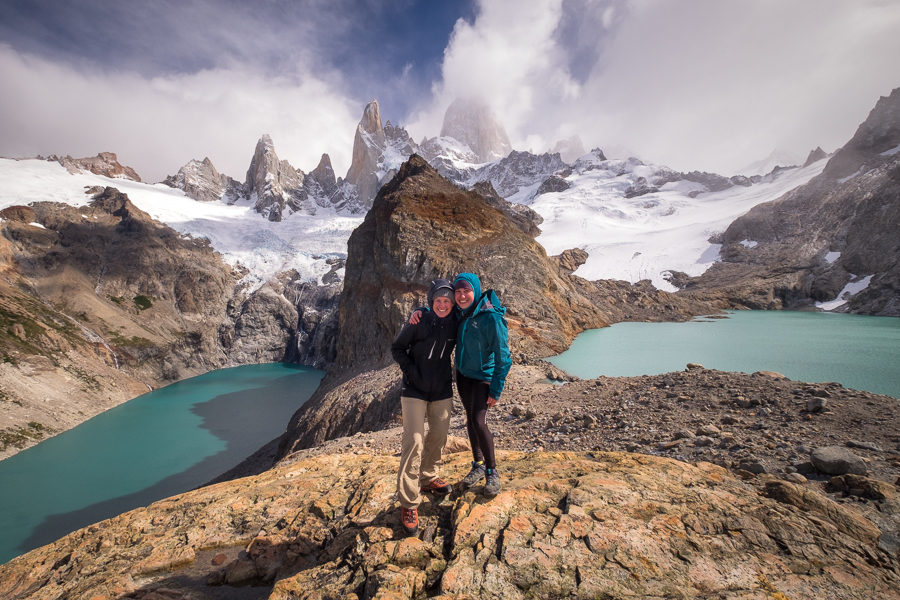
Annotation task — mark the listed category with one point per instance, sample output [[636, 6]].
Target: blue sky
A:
[[694, 84]]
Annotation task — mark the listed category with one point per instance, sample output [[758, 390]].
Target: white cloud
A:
[[156, 125], [700, 84], [716, 85], [508, 57]]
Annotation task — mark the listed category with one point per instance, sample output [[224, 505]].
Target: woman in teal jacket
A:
[[482, 362]]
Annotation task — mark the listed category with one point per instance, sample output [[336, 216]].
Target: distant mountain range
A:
[[130, 284]]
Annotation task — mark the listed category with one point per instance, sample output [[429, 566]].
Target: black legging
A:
[[474, 395]]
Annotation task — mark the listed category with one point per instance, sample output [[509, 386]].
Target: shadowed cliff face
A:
[[566, 525], [422, 227]]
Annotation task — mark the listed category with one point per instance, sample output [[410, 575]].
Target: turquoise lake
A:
[[857, 351], [179, 437], [157, 445]]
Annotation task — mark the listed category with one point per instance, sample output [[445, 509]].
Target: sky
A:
[[694, 84]]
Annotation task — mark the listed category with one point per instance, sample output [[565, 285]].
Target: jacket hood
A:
[[471, 279], [489, 302]]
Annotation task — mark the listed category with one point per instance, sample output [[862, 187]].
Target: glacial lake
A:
[[857, 351], [157, 445], [179, 437]]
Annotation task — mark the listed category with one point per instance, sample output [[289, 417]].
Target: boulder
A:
[[836, 460]]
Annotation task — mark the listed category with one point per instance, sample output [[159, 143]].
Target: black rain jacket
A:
[[423, 352]]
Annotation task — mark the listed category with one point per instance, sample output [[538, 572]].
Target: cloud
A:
[[508, 57], [157, 124], [701, 84]]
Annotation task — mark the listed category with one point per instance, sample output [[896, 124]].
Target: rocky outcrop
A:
[[572, 258], [471, 121], [524, 217], [201, 181], [365, 402], [554, 183], [422, 227], [565, 525], [105, 163], [286, 319]]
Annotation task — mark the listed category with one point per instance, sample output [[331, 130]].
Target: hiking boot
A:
[[409, 518], [491, 483], [474, 476], [438, 487]]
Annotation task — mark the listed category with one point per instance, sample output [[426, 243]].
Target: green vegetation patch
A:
[[18, 437], [90, 382], [132, 342], [142, 302]]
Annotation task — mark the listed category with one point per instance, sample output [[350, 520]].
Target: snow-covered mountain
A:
[[647, 236], [628, 238], [472, 122], [634, 220], [244, 237]]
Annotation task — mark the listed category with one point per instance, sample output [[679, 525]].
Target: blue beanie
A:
[[472, 280]]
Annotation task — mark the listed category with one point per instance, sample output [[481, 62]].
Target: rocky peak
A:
[[421, 227], [274, 185], [368, 147], [472, 122], [519, 170], [200, 180], [370, 123], [377, 153], [323, 175], [569, 149], [452, 158], [815, 156], [105, 163], [875, 138]]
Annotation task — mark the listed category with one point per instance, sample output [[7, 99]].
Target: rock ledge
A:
[[565, 525]]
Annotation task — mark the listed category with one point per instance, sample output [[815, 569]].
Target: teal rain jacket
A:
[[482, 346]]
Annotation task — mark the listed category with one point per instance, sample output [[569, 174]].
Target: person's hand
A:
[[491, 401], [414, 318]]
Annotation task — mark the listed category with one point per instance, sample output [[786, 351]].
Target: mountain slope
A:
[[118, 301], [833, 241]]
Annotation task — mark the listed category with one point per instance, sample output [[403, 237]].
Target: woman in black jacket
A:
[[423, 352]]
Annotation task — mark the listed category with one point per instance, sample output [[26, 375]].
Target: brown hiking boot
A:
[[409, 518], [438, 487]]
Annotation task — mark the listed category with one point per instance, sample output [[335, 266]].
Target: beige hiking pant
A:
[[420, 449]]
